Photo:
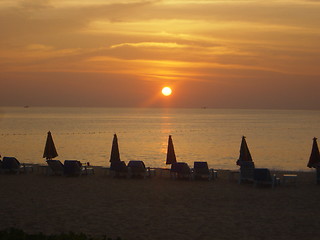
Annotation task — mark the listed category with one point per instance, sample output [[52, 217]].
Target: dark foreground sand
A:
[[160, 208]]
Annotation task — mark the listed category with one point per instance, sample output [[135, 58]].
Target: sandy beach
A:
[[160, 208]]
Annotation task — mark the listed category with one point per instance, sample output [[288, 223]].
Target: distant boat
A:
[[26, 106]]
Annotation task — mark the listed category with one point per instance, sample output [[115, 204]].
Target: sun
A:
[[166, 91]]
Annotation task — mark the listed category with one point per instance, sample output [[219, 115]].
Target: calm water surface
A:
[[277, 139]]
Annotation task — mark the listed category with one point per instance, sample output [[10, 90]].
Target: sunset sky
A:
[[219, 54]]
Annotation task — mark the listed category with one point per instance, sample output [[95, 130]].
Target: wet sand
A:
[[160, 208]]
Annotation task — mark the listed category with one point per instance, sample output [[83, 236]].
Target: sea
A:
[[277, 139]]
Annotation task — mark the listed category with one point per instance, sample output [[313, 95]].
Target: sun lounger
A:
[[180, 170], [12, 165], [75, 168], [202, 171], [246, 172], [69, 168], [72, 168], [137, 169], [118, 169], [262, 176], [55, 167]]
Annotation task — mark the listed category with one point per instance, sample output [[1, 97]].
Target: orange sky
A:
[[225, 54]]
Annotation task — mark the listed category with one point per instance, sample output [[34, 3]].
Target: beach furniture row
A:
[[178, 170], [68, 168], [262, 176], [137, 169], [55, 167]]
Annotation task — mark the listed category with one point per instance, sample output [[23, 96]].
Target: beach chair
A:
[[180, 170], [246, 172], [118, 169], [202, 171], [12, 165], [73, 168], [137, 169], [55, 167], [262, 176]]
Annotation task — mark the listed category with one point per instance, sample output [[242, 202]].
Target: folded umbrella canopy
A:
[[171, 156], [50, 149], [245, 155], [115, 154], [314, 160]]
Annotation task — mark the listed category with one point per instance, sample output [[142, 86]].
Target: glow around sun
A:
[[166, 91]]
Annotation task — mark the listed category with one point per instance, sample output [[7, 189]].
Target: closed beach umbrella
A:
[[115, 154], [171, 156], [50, 149], [245, 155], [314, 159]]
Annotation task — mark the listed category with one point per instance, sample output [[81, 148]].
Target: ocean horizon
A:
[[277, 139]]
